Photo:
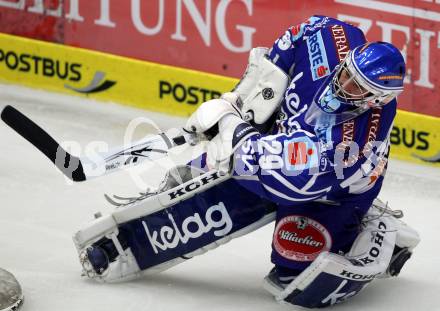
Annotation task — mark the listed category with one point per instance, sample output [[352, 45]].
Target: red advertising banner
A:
[[216, 35]]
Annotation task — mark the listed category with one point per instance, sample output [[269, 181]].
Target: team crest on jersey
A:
[[301, 238], [300, 153], [319, 66]]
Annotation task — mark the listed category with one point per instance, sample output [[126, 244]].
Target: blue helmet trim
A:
[[374, 84]]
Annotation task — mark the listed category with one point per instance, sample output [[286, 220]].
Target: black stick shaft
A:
[[70, 165]]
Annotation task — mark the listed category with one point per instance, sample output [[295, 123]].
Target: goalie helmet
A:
[[370, 76], [11, 296]]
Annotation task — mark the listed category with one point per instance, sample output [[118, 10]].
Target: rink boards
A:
[[162, 88], [106, 77]]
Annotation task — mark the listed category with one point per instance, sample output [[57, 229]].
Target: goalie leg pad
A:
[[166, 237], [332, 278], [406, 237]]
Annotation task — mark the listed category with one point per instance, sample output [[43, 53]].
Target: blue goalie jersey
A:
[[326, 175]]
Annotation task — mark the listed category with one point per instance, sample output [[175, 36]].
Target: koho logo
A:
[[180, 191]]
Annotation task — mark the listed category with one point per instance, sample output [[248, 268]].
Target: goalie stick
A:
[[84, 168]]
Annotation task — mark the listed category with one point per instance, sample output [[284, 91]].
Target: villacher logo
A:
[[301, 238]]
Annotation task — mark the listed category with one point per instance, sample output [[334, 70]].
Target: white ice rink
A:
[[39, 211]]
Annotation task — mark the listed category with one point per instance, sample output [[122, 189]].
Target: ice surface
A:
[[40, 211]]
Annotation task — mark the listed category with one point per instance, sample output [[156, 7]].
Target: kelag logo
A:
[[53, 68], [192, 95]]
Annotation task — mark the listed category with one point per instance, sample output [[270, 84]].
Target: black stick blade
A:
[[71, 166]]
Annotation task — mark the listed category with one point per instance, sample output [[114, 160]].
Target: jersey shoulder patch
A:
[[319, 65]]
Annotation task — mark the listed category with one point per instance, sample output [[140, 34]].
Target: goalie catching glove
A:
[[221, 121], [260, 90]]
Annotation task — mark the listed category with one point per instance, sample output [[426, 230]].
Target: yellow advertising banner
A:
[[416, 137], [106, 77], [162, 88]]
